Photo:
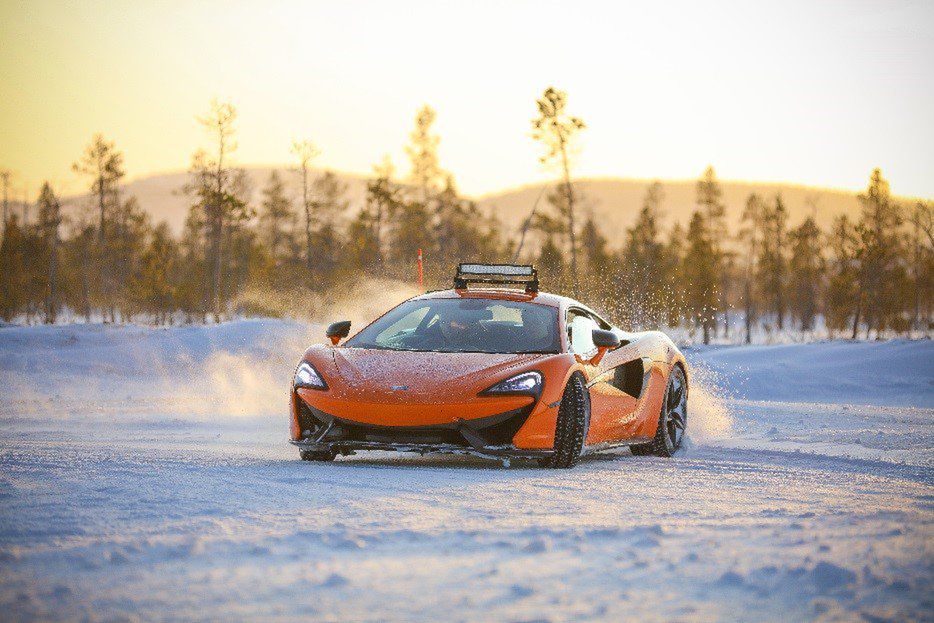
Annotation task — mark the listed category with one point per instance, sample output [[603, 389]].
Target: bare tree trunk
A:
[[571, 232], [747, 295], [857, 312], [5, 176], [216, 234], [309, 261], [916, 271], [86, 288], [378, 233], [51, 306]]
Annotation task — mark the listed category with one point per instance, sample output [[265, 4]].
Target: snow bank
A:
[[892, 373]]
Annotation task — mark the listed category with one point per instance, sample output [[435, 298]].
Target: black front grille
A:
[[495, 430]]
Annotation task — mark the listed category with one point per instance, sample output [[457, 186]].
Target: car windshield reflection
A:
[[464, 326]]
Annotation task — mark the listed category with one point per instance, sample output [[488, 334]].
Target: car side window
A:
[[602, 324], [581, 329]]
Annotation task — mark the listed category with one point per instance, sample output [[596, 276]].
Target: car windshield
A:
[[464, 326]]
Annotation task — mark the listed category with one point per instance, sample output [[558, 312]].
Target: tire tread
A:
[[571, 427]]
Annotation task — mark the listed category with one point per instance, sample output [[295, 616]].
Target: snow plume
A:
[[254, 382], [709, 418], [359, 300], [237, 369]]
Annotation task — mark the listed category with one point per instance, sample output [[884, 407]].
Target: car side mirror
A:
[[337, 331], [604, 340]]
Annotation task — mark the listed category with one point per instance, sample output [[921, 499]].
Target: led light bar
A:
[[520, 270], [497, 274]]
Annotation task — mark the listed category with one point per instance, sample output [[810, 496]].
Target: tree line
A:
[[870, 273]]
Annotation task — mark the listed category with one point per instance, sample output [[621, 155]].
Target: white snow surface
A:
[[145, 475]]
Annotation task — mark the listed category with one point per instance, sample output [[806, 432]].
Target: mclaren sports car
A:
[[495, 368]]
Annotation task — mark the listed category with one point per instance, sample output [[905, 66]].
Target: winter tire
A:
[[571, 428]]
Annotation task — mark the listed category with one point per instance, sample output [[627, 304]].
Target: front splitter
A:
[[498, 453]]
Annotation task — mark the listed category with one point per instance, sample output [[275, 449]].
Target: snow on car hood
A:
[[422, 372]]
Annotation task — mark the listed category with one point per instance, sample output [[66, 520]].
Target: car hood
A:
[[410, 373]]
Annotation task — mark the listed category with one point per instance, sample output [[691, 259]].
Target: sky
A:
[[816, 93]]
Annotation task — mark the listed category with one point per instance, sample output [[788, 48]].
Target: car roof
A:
[[507, 294]]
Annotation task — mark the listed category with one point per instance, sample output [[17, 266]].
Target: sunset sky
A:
[[805, 92]]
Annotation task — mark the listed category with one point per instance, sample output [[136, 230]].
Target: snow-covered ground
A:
[[144, 474]]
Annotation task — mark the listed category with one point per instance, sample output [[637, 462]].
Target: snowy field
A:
[[145, 475]]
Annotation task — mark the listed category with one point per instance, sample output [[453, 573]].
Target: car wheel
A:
[[672, 421], [317, 455], [571, 428]]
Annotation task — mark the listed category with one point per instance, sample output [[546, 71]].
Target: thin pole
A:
[[421, 275]]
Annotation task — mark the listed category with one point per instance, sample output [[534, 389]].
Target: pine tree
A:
[[773, 262], [879, 273], [750, 236], [34, 266], [805, 270], [192, 270], [78, 251], [12, 273], [556, 131], [673, 293], [48, 223], [598, 266], [219, 192], [550, 226], [710, 201], [411, 230], [362, 249], [329, 205], [330, 201], [275, 217], [103, 164], [154, 284], [550, 260], [700, 278], [5, 176], [645, 259], [461, 233], [426, 174], [842, 275], [126, 243], [383, 198], [922, 264]]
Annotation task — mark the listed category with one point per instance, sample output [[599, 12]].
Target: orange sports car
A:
[[493, 370]]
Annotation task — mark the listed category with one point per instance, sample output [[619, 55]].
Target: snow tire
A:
[[571, 428]]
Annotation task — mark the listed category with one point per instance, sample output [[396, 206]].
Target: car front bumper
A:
[[489, 436]]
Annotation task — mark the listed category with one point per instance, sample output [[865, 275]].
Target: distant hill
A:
[[615, 202]]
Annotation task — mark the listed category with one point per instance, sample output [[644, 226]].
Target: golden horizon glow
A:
[[787, 92]]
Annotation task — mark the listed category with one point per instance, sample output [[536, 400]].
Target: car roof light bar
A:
[[497, 274]]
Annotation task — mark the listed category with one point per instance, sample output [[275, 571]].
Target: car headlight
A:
[[307, 376], [525, 384]]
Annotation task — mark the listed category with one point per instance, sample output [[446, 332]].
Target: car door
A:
[[609, 403]]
